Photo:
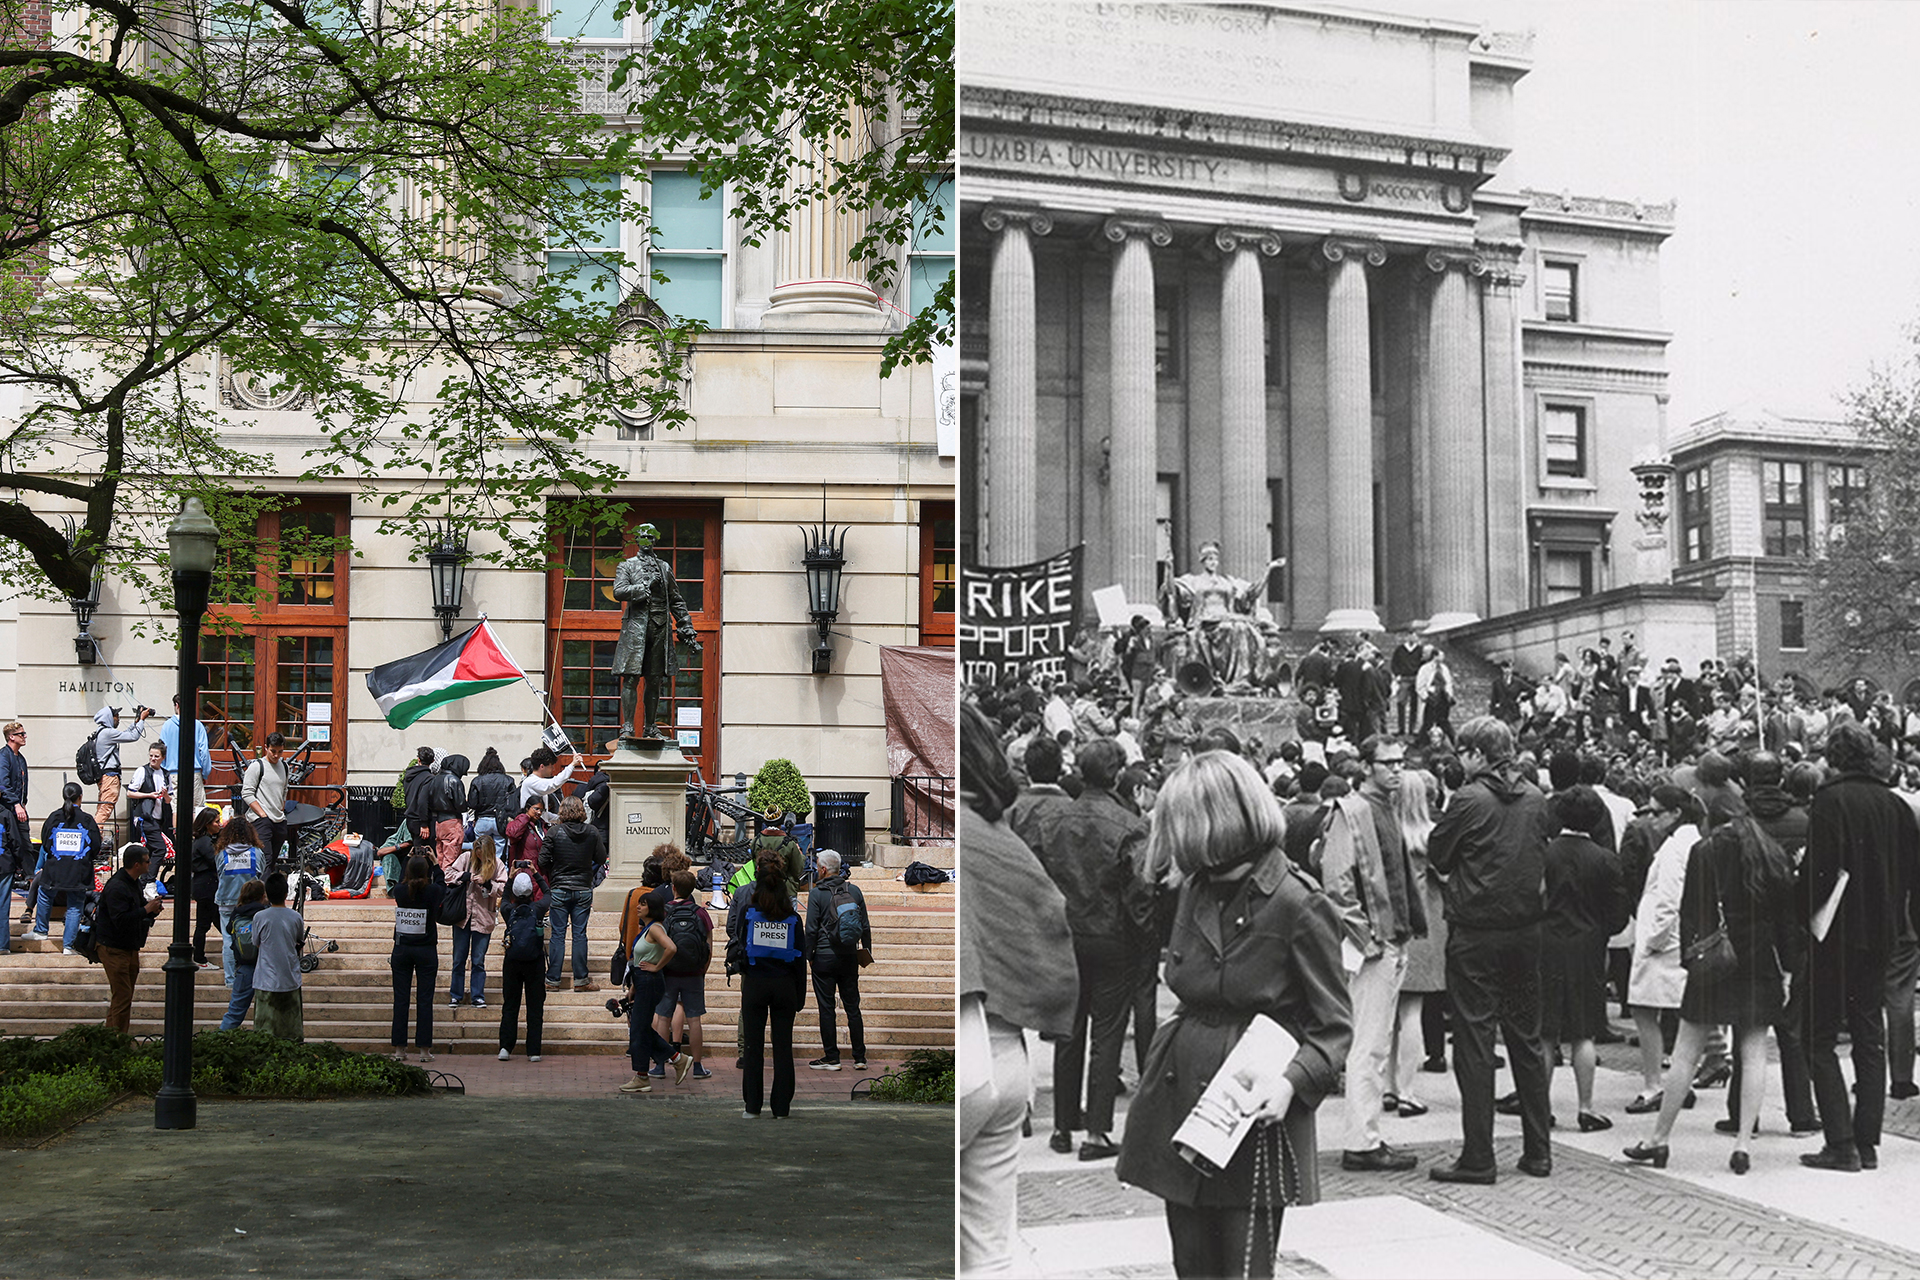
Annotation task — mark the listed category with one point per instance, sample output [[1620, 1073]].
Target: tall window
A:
[[279, 663], [1793, 624], [688, 247], [596, 255], [1696, 514], [1783, 508], [930, 255], [583, 627], [1846, 491], [584, 20], [1564, 430], [937, 570], [1560, 290]]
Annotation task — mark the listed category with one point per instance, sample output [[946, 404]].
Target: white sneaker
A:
[[36, 935], [533, 1057], [68, 951], [504, 1055], [425, 1056]]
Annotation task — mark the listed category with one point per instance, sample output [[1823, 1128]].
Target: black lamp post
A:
[[824, 553], [447, 567], [192, 541]]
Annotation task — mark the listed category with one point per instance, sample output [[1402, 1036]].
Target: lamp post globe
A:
[[193, 542]]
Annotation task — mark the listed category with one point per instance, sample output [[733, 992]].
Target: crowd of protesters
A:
[[1719, 855], [522, 856]]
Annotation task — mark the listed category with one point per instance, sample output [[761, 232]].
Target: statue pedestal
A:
[[646, 807]]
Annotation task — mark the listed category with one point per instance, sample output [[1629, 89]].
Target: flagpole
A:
[[546, 706]]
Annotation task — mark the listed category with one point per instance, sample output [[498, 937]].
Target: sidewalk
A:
[[592, 1075], [1597, 1215], [451, 1186]]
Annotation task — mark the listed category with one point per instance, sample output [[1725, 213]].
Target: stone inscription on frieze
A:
[[1263, 63]]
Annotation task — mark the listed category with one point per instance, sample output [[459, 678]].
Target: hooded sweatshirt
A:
[[1491, 846], [107, 739]]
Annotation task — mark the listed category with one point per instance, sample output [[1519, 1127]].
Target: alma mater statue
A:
[[644, 660]]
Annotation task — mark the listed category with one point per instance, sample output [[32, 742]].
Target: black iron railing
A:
[[923, 809]]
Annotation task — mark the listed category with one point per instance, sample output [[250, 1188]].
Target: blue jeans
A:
[[562, 905], [227, 963], [45, 905], [468, 943], [6, 912], [242, 997]]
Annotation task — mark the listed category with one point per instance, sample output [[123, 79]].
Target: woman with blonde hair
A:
[[1420, 1027], [1249, 937]]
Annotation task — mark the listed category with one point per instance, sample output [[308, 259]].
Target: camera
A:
[[618, 1006], [140, 711]]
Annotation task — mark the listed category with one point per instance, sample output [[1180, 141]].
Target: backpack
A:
[[846, 920], [766, 939], [692, 950], [452, 910], [84, 940], [526, 932], [86, 762], [245, 949]]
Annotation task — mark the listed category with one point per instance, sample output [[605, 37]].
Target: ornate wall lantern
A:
[[824, 553]]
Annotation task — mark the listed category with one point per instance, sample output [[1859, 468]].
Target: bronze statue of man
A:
[[644, 661]]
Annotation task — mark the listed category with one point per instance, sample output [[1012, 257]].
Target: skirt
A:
[[1573, 987]]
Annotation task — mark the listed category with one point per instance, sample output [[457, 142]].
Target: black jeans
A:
[[645, 1046], [1213, 1242], [1849, 989], [770, 991], [1106, 987], [517, 976], [414, 966], [1493, 980], [834, 974], [204, 916], [271, 836]]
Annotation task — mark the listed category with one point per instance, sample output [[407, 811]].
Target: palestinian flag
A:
[[472, 662]]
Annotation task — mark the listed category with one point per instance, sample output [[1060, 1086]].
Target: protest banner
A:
[[1020, 618]]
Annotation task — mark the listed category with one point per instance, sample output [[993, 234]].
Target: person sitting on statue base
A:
[[645, 659], [1218, 611]]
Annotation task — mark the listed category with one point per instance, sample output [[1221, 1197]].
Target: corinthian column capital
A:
[[1230, 239], [997, 218], [1152, 230]]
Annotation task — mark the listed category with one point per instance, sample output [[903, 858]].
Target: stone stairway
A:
[[906, 996]]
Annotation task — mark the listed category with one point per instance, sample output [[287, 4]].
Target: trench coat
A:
[[1280, 957], [643, 581]]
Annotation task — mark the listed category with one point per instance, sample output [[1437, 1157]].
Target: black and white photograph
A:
[[1439, 639]]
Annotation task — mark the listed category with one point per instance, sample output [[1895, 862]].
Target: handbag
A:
[[1712, 959]]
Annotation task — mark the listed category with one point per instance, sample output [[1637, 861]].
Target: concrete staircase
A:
[[906, 996]]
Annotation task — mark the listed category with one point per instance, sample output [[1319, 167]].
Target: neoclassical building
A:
[[1246, 273]]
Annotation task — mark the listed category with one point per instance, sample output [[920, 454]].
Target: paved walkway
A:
[[588, 1075], [1597, 1215], [451, 1186]]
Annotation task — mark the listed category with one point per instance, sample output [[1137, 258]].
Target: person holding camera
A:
[[127, 909], [106, 749], [522, 964]]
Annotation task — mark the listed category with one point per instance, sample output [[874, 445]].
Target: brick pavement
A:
[[584, 1075], [1600, 1216]]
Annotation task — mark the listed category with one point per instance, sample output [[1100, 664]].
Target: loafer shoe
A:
[[1454, 1173], [1382, 1159], [1869, 1157], [1411, 1107], [1061, 1142], [1591, 1122], [1839, 1159], [1536, 1166], [1904, 1089], [1646, 1153], [1104, 1149], [1509, 1105]]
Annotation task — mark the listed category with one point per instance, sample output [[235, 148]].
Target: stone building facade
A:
[[1246, 274]]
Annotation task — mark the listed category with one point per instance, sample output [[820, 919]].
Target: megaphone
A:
[[1194, 678]]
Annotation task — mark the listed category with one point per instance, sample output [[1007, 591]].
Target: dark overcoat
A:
[[646, 583]]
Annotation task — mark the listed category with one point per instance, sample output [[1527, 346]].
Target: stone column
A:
[[1244, 543], [1009, 503], [820, 285], [1350, 435], [1509, 560], [1456, 455], [1135, 447]]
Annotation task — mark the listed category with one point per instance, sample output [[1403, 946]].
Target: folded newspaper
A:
[[1215, 1128]]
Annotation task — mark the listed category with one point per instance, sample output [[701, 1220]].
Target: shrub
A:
[[780, 783], [47, 1100], [925, 1076], [104, 1049]]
